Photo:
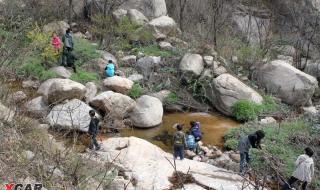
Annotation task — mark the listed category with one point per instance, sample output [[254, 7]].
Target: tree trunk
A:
[[70, 11]]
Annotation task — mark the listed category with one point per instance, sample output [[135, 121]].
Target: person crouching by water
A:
[[244, 145], [195, 130], [304, 171], [179, 142], [93, 130], [191, 143]]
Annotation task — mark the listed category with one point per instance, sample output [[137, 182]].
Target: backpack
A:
[[191, 142], [195, 130], [178, 138]]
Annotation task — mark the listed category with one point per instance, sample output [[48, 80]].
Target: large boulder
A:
[[192, 63], [96, 65], [149, 8], [313, 69], [291, 85], [73, 115], [91, 91], [107, 56], [150, 167], [137, 17], [147, 113], [115, 103], [118, 84], [65, 89], [61, 72], [164, 25], [59, 27], [37, 107], [119, 14], [148, 65], [45, 86], [227, 89]]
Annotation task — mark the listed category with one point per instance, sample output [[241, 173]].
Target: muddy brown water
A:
[[213, 125]]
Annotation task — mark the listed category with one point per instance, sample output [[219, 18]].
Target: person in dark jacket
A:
[[67, 56], [195, 130], [93, 130], [179, 142], [244, 145]]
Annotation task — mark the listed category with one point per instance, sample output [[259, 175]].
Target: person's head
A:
[[187, 133], [260, 134], [308, 151], [69, 30], [179, 127], [92, 113], [192, 123], [54, 34], [110, 61]]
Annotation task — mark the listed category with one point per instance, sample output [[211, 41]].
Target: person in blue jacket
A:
[[195, 130], [110, 69]]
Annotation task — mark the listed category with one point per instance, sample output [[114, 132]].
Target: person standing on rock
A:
[[195, 130], [93, 130], [244, 145], [68, 58], [304, 171], [179, 142]]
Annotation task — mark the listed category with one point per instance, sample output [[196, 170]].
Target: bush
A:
[[41, 42], [84, 76], [269, 104], [153, 50], [279, 145], [245, 110], [249, 54], [33, 67], [136, 91], [172, 98], [84, 51]]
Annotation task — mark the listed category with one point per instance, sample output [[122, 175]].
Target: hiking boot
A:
[[98, 148]]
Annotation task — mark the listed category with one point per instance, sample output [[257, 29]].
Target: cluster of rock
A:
[[212, 155], [62, 102], [150, 167]]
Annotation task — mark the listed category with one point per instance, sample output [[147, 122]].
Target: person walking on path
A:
[[304, 171], [179, 142], [93, 130], [244, 145], [68, 58]]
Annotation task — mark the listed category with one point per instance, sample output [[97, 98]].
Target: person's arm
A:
[[298, 161], [312, 169]]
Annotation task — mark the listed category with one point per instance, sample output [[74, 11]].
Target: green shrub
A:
[[36, 70], [245, 110], [85, 51], [172, 98], [269, 104], [153, 50], [278, 143], [84, 76], [249, 54], [136, 91], [41, 42]]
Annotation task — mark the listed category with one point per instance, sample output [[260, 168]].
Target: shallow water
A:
[[213, 126]]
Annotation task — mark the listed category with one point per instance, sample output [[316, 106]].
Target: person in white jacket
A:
[[304, 170]]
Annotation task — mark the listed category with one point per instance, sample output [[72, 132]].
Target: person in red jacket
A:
[[56, 42]]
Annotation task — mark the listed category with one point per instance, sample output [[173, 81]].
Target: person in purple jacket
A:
[[195, 130]]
